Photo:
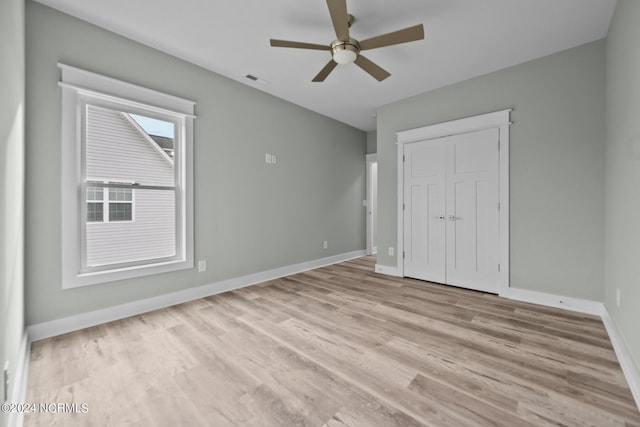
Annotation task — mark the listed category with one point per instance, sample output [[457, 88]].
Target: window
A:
[[95, 205], [127, 180], [120, 204], [117, 206]]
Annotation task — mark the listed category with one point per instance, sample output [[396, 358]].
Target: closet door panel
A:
[[472, 210], [424, 205]]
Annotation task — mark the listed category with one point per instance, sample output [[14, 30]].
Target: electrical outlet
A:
[[202, 265], [391, 251], [268, 158], [325, 245], [618, 297]]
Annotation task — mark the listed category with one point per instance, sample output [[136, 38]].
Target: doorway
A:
[[372, 203]]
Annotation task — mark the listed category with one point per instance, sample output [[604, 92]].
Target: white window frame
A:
[[78, 88]]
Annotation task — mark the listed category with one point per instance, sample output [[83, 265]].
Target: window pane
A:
[[161, 132], [94, 193], [94, 212], [119, 149], [152, 235], [120, 212], [120, 194]]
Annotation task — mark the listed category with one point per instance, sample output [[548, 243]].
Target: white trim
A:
[[400, 211], [18, 392], [387, 270], [497, 119], [83, 80], [550, 300], [370, 159], [77, 322], [455, 127], [629, 369], [505, 208]]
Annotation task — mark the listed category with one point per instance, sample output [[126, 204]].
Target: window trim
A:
[[77, 85]]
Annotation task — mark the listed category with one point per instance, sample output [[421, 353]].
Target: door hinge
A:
[[498, 145], [403, 207], [402, 254], [498, 268], [403, 158]]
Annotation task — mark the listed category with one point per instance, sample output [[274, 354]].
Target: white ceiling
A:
[[463, 39]]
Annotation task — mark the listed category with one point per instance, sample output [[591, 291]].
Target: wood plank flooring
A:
[[337, 346]]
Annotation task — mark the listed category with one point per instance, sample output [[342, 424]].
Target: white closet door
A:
[[451, 215], [424, 210], [472, 210]]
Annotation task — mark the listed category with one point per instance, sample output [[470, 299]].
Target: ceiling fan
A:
[[345, 50]]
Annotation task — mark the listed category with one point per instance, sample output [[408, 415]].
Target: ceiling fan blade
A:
[[340, 18], [299, 45], [372, 68], [325, 71], [401, 36]]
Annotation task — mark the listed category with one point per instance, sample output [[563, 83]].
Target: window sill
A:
[[99, 277]]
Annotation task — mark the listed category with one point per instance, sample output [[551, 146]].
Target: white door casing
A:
[[477, 184], [372, 203]]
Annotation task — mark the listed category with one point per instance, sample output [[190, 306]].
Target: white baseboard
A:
[[568, 303], [18, 392], [629, 368], [56, 327], [385, 269]]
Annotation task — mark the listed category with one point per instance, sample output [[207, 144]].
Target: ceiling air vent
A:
[[257, 79]]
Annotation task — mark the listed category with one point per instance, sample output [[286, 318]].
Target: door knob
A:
[[441, 217]]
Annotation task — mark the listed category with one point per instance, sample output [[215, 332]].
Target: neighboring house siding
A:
[[118, 152], [151, 235]]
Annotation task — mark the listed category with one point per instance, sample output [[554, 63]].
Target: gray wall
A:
[[557, 164], [622, 266], [372, 143], [11, 182], [249, 216]]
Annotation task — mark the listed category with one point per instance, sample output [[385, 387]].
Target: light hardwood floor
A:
[[337, 346]]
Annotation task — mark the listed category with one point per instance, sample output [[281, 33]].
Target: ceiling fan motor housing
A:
[[345, 52]]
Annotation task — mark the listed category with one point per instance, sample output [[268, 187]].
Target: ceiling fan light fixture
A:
[[344, 52]]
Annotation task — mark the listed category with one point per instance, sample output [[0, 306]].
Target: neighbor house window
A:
[[117, 206], [95, 204], [127, 180], [120, 204]]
